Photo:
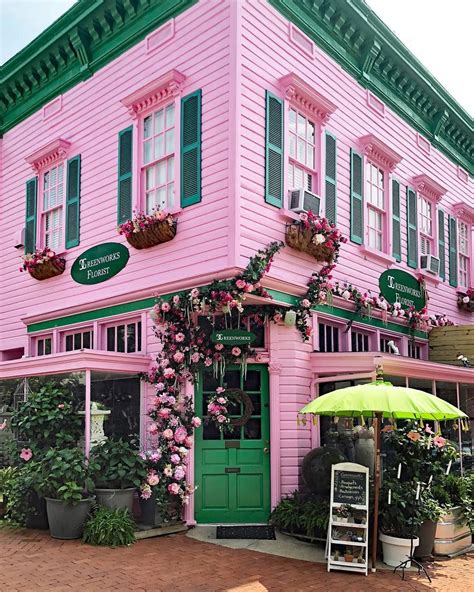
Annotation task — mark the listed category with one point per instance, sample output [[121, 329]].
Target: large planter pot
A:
[[426, 534], [396, 550], [452, 535], [37, 517], [48, 269], [116, 498], [66, 521], [301, 239], [150, 513], [155, 234]]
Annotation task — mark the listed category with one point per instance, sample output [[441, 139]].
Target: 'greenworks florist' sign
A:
[[100, 263], [399, 286], [233, 337]]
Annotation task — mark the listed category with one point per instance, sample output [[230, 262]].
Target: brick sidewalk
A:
[[31, 561]]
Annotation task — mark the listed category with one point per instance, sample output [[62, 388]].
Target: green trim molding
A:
[[88, 36], [352, 34], [281, 297]]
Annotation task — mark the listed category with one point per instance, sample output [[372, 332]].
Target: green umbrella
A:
[[394, 402], [379, 400]]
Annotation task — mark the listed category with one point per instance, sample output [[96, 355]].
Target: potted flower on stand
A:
[[119, 471], [65, 483]]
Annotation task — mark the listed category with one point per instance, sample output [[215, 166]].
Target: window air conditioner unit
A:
[[302, 200], [430, 264]]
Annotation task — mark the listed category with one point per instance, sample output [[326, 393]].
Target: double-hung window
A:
[[302, 173], [52, 211], [426, 224], [464, 260], [158, 158], [375, 195]]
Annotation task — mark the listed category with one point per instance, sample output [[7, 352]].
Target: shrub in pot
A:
[[119, 471], [65, 483]]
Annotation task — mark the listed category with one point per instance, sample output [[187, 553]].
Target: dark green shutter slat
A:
[[331, 160], [191, 149], [124, 204], [441, 245], [274, 150], [396, 228], [30, 220], [412, 229], [357, 199], [453, 252], [73, 189]]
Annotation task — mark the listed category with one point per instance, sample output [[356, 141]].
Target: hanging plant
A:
[[43, 264], [466, 300], [316, 236], [148, 230]]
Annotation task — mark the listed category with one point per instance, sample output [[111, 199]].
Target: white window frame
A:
[[43, 338], [44, 212], [124, 321], [423, 204], [371, 335], [464, 256], [314, 172], [79, 331], [334, 326], [380, 211]]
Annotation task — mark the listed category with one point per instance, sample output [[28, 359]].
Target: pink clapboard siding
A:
[[90, 118], [267, 55]]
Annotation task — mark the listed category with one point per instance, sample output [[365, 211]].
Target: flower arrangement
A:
[[147, 230], [466, 300], [315, 235], [43, 264], [218, 411]]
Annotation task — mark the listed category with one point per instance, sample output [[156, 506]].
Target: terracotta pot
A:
[[301, 239], [48, 269], [156, 234]]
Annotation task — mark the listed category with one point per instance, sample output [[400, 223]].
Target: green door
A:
[[232, 471]]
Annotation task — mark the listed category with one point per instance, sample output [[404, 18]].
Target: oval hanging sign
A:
[[397, 285], [100, 263]]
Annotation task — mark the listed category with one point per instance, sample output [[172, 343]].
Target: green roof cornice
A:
[[88, 36], [352, 34]]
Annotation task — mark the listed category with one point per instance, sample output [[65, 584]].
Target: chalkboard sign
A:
[[349, 488]]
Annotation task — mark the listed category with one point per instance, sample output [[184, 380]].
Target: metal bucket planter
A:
[[48, 269], [150, 513], [66, 521], [155, 234], [37, 517], [116, 498], [426, 535], [301, 239], [453, 535]]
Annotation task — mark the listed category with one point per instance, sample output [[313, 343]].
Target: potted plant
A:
[[343, 513], [303, 516], [431, 512], [65, 483], [119, 471], [147, 230], [316, 236], [43, 264], [348, 555], [111, 528]]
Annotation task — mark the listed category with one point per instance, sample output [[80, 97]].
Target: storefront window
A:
[[421, 384]]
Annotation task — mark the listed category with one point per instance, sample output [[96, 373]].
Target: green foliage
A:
[[17, 489], [300, 514], [65, 475], [6, 476], [112, 528], [117, 465], [48, 419], [456, 491]]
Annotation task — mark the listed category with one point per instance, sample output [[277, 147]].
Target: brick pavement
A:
[[31, 561]]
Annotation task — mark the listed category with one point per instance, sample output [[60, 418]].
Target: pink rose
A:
[[61, 406], [175, 459], [179, 473], [208, 362], [305, 303], [165, 307], [240, 284], [178, 357], [194, 293], [176, 299], [26, 454], [188, 442], [220, 390], [277, 317], [222, 400], [236, 351], [164, 412], [168, 434], [173, 488], [160, 386], [155, 456], [153, 480], [179, 337], [168, 471], [219, 346], [303, 217], [180, 435], [196, 422], [221, 418], [169, 372], [195, 358], [153, 429]]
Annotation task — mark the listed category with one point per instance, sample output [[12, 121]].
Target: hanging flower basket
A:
[[43, 264], [155, 234], [145, 231], [304, 239], [466, 301]]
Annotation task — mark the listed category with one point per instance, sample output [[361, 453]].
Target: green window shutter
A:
[[357, 198], [396, 228], [73, 189], [412, 229], [30, 221], [330, 184], [274, 150], [453, 252], [441, 245], [124, 204], [191, 149]]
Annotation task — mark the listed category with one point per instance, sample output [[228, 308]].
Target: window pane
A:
[[170, 116], [253, 429], [40, 347], [69, 343], [161, 197], [131, 338], [147, 123], [252, 382], [111, 339], [322, 335], [170, 141], [292, 120], [329, 344], [170, 196], [159, 124], [310, 156], [47, 346], [310, 132], [150, 178], [301, 150], [139, 336], [170, 162], [301, 125], [86, 340], [147, 152], [77, 340], [161, 173], [159, 146], [335, 333], [121, 338], [292, 146]]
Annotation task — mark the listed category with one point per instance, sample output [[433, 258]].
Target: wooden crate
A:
[[447, 342]]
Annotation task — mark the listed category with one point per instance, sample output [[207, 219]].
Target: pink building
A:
[[235, 116]]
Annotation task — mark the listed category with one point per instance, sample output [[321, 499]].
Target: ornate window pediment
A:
[[153, 93], [429, 187], [303, 96], [379, 152], [48, 155], [465, 212]]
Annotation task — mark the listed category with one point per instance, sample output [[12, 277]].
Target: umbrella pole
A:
[[377, 427]]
